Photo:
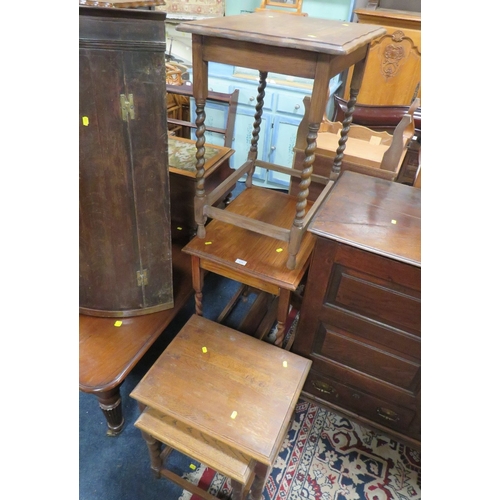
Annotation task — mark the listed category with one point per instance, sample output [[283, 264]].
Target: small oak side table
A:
[[275, 41], [223, 398]]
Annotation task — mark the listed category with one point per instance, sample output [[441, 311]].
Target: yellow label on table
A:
[[85, 121]]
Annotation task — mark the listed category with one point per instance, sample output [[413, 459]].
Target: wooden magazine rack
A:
[[371, 152]]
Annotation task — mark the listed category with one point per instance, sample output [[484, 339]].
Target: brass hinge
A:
[[127, 105], [142, 277]]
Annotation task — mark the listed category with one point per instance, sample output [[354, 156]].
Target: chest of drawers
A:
[[360, 317]]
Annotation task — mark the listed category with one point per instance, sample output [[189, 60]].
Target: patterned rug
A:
[[328, 457]]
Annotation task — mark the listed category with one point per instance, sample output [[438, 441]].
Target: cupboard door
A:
[[125, 234]]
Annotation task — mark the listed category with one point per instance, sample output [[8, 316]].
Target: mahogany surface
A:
[[365, 209], [360, 317], [225, 387], [376, 117], [108, 353]]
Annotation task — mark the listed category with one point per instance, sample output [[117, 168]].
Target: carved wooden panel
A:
[[393, 70]]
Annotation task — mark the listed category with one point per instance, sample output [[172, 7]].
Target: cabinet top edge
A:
[[88, 11], [372, 214], [380, 15]]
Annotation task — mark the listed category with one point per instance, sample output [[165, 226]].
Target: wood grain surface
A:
[[233, 387]]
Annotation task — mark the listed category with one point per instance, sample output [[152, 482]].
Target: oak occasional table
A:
[[274, 41], [223, 398], [250, 258]]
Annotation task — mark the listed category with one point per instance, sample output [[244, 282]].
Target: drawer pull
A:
[[323, 387], [388, 414]]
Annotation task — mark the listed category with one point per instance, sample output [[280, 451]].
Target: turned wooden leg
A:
[[357, 78], [197, 277], [154, 449], [237, 493], [261, 474], [253, 152], [200, 94], [282, 315], [111, 405], [200, 196]]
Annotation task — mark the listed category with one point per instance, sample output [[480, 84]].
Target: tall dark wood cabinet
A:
[[360, 316], [125, 231]]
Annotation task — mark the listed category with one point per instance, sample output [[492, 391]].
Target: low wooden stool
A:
[[249, 257], [223, 398]]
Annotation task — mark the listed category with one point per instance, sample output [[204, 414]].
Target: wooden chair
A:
[[288, 7], [377, 117], [217, 167], [177, 104], [370, 152], [230, 99]]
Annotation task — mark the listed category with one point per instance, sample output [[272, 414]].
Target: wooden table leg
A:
[[197, 276], [111, 405], [357, 78], [237, 493], [200, 94], [154, 449], [261, 474], [282, 315]]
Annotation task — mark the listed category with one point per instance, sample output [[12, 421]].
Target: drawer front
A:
[[366, 383], [376, 288], [248, 97], [347, 349], [291, 102], [366, 405], [366, 330]]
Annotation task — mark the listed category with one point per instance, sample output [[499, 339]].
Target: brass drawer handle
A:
[[388, 414], [323, 387]]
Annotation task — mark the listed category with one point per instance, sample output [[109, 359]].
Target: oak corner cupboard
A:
[[125, 231], [360, 316]]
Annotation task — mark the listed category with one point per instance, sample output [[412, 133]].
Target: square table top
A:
[[284, 30], [235, 388]]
